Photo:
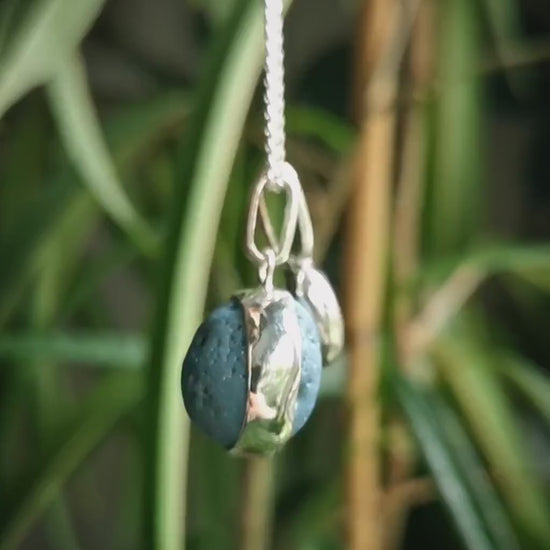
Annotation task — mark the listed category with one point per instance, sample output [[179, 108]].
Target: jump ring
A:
[[267, 269]]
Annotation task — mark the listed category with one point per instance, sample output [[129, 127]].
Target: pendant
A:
[[310, 285], [253, 371]]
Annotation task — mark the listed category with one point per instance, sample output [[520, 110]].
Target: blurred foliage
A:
[[126, 155]]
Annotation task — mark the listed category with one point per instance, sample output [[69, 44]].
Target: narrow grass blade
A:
[[114, 398], [114, 351], [471, 468], [504, 19], [211, 146], [467, 369], [453, 490], [217, 11], [531, 381], [526, 260], [48, 406], [97, 350], [136, 128], [41, 35], [454, 198], [81, 134], [24, 160], [130, 133]]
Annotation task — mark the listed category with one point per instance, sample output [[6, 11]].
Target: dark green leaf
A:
[[454, 491], [98, 350], [531, 381], [467, 368], [114, 398], [81, 134], [454, 196], [472, 471]]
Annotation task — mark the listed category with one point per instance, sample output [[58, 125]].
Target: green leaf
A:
[[94, 273], [212, 141], [49, 407], [454, 491], [131, 132], [37, 39], [467, 369], [27, 245], [537, 277], [525, 260], [530, 380], [309, 518], [472, 471], [454, 197], [113, 399], [504, 21], [138, 127], [317, 123], [98, 350], [81, 134], [217, 11], [24, 161]]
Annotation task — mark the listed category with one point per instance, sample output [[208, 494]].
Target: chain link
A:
[[274, 96], [279, 175]]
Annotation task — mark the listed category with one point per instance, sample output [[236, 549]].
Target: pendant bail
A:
[[283, 245]]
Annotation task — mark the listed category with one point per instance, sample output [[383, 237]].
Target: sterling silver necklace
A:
[[252, 373]]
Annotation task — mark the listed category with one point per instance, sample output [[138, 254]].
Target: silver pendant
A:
[[274, 356], [313, 287], [253, 371]]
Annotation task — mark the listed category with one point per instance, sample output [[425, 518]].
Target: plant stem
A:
[[365, 271], [257, 511], [382, 42], [366, 260]]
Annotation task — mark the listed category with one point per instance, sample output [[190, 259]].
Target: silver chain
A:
[[274, 96], [279, 175]]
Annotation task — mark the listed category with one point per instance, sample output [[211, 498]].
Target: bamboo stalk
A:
[[383, 36], [366, 258]]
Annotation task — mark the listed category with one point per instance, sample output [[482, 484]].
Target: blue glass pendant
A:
[[252, 373]]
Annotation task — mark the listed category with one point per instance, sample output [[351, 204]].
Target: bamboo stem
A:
[[366, 256], [383, 35], [366, 259]]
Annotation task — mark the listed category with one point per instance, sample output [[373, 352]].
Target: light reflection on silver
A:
[[312, 286], [274, 358]]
